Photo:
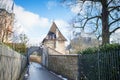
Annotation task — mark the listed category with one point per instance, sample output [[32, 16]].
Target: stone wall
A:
[[66, 65], [12, 64], [53, 51]]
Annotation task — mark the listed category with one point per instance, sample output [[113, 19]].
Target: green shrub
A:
[[19, 47], [107, 47], [89, 51]]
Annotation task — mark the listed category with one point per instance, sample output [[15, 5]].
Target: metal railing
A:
[[100, 66]]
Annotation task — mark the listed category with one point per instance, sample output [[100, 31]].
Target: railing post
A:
[[98, 58], [78, 69], [79, 66]]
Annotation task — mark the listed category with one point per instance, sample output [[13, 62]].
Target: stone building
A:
[[81, 41], [55, 40], [6, 25]]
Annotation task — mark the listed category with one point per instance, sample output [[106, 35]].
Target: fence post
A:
[[98, 58], [79, 66]]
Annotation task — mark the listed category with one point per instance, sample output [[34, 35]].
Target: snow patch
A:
[[59, 76]]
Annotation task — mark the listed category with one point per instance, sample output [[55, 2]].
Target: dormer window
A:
[[51, 35]]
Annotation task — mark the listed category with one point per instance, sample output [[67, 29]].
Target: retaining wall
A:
[[66, 65], [12, 63]]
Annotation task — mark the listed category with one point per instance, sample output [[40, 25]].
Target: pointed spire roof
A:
[[53, 30]]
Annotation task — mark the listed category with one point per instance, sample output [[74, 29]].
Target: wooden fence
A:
[[100, 66]]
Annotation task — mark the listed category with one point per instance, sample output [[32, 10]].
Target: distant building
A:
[[81, 41], [55, 39], [7, 5], [6, 25]]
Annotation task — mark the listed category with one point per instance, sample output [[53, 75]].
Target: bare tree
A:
[[6, 25], [100, 16], [23, 38]]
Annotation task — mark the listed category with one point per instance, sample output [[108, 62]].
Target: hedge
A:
[[107, 47]]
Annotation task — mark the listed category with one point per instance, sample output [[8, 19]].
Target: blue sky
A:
[[47, 8], [34, 17]]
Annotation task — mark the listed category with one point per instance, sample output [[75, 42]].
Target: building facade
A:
[[82, 41], [55, 39], [6, 25]]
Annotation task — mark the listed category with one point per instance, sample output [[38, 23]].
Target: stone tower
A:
[[6, 20], [55, 39], [6, 25]]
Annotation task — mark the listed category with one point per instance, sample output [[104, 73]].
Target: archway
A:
[[42, 51], [35, 57], [34, 54]]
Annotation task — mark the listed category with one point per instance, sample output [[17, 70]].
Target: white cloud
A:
[[35, 26], [75, 8], [36, 41], [29, 19], [118, 31], [80, 7], [61, 23], [51, 4], [115, 37]]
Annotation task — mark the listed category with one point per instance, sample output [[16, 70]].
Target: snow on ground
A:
[[59, 76]]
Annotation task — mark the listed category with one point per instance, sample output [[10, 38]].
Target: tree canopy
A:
[[101, 17]]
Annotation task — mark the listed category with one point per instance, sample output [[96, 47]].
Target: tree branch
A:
[[113, 8], [111, 17], [96, 25], [109, 2], [87, 19], [99, 37], [114, 22], [114, 30], [91, 0]]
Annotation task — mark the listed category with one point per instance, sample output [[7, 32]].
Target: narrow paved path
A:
[[37, 72]]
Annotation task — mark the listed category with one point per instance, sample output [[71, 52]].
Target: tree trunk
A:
[[105, 27]]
